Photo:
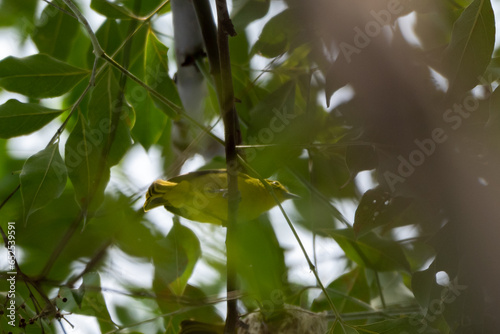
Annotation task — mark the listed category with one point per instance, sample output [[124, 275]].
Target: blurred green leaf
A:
[[471, 46], [424, 286], [169, 302], [17, 118], [246, 11], [274, 38], [492, 72], [55, 32], [371, 251], [43, 178], [176, 256], [191, 326], [39, 76], [262, 269], [18, 14]]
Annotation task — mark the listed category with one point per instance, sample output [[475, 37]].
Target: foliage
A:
[[342, 92]]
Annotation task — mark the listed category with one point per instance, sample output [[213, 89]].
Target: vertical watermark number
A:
[[11, 260]]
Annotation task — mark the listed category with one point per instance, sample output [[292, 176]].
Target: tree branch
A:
[[217, 46]]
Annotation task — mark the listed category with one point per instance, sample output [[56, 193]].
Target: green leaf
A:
[[83, 161], [378, 208], [492, 72], [349, 293], [111, 10], [43, 179], [17, 118], [87, 300], [471, 46], [274, 38], [276, 120], [89, 150], [156, 72], [55, 32], [425, 288], [18, 14], [371, 251], [246, 11], [110, 38], [262, 269], [151, 122], [169, 302], [176, 257], [39, 76]]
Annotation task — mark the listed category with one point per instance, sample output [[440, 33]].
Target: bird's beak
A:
[[291, 196]]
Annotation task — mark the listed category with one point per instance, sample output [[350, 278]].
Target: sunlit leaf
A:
[[17, 118], [39, 76], [42, 179]]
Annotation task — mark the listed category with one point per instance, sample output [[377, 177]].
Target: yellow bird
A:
[[202, 196]]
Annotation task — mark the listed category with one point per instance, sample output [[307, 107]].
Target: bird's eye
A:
[[275, 183]]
